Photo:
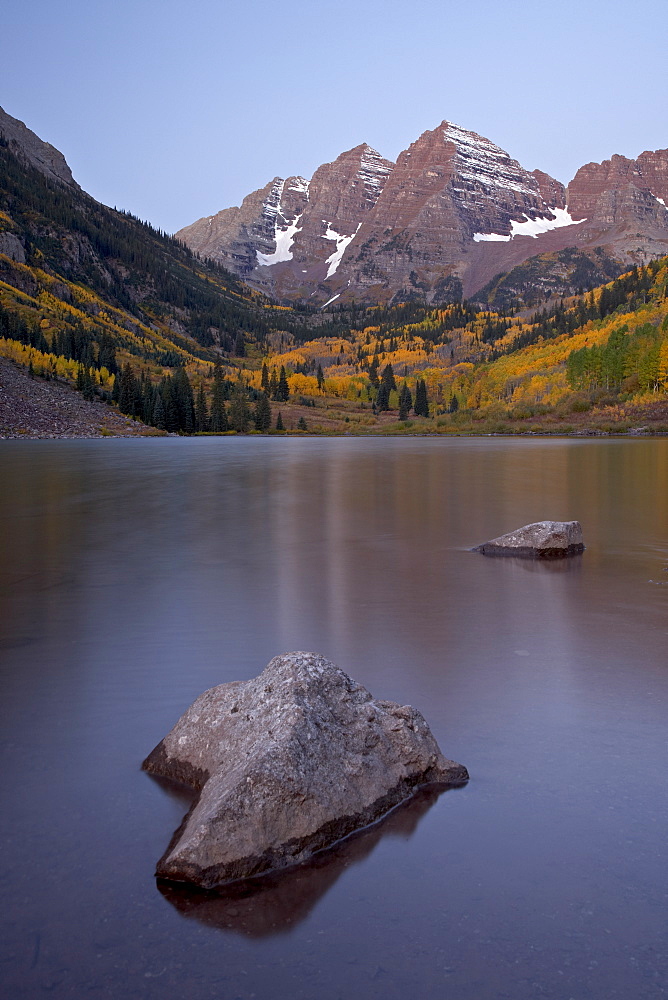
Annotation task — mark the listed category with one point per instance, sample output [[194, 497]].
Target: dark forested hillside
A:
[[127, 262]]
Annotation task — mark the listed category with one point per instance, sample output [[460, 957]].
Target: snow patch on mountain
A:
[[331, 300], [342, 243], [531, 227], [284, 239], [300, 185], [373, 170], [660, 200], [483, 162], [491, 238], [272, 205]]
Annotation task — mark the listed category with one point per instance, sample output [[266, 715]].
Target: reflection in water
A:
[[571, 564], [274, 904], [136, 574]]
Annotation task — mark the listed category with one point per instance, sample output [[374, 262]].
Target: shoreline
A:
[[144, 433], [37, 409]]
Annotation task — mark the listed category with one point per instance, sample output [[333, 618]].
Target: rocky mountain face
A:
[[291, 235], [452, 213], [29, 148], [618, 189]]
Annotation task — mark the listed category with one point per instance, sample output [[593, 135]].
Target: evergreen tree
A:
[[279, 422], [405, 402], [421, 403], [88, 384], [158, 414], [183, 397], [218, 421], [138, 398], [320, 377], [262, 413], [106, 354], [387, 377], [148, 400], [302, 425], [283, 391], [239, 411], [128, 389], [201, 413], [383, 397], [454, 404], [240, 345], [218, 418], [373, 371], [264, 381], [171, 407], [273, 384]]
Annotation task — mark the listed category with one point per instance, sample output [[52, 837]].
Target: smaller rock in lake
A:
[[541, 540], [287, 764]]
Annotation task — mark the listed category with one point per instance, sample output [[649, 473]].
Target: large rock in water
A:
[[541, 540], [287, 764]]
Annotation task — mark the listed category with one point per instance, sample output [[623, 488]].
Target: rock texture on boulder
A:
[[287, 764], [274, 903], [541, 540]]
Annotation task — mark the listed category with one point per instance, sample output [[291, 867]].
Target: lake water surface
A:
[[135, 574]]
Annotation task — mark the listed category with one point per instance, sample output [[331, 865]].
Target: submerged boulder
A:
[[541, 540], [287, 764]]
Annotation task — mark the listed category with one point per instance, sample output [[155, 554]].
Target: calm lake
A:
[[136, 574]]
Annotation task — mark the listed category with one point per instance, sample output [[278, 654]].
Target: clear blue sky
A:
[[174, 110]]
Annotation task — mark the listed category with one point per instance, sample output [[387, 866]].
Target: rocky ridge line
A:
[[30, 148], [453, 212]]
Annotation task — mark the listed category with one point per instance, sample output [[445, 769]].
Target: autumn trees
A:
[[626, 359]]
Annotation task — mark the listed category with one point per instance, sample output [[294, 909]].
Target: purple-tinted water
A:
[[135, 574]]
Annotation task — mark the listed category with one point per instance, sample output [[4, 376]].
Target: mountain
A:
[[56, 239], [93, 297], [454, 213], [290, 236], [29, 149]]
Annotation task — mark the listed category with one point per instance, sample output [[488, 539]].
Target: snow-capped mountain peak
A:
[[455, 210]]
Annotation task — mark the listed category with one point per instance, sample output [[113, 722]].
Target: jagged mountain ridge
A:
[[454, 212], [291, 234]]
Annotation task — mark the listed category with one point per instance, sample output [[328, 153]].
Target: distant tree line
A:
[[172, 404]]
